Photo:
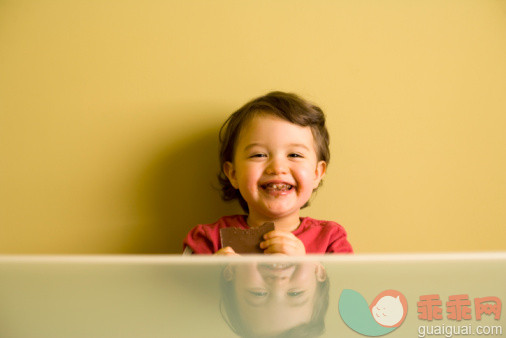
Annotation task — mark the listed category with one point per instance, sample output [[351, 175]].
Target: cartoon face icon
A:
[[387, 311], [388, 308]]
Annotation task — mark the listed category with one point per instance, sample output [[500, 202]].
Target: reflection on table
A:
[[275, 299]]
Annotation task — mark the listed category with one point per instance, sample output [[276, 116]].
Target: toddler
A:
[[274, 153]]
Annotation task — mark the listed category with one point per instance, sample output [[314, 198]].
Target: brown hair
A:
[[286, 106]]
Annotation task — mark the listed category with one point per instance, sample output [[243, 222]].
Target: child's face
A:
[[275, 167], [272, 298]]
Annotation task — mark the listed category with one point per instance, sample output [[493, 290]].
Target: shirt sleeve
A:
[[199, 241], [339, 242]]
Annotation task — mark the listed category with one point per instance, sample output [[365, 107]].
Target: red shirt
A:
[[318, 236]]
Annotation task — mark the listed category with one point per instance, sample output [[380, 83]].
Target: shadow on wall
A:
[[177, 191]]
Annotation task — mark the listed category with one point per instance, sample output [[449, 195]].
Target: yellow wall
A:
[[109, 112]]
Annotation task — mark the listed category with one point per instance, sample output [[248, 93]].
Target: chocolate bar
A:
[[245, 240]]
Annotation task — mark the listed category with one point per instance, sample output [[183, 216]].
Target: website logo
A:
[[386, 312]]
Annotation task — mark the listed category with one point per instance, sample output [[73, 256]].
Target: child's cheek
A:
[[248, 185], [305, 181]]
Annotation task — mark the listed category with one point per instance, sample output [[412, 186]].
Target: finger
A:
[[278, 233], [285, 250], [281, 248], [285, 245], [226, 251], [279, 240]]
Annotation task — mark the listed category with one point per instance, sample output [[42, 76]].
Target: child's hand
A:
[[226, 251], [282, 242]]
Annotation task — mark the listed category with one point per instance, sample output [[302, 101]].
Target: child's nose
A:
[[276, 166], [279, 280]]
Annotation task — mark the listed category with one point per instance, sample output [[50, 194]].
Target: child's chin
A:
[[276, 213]]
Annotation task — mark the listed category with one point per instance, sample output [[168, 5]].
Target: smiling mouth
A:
[[276, 266], [277, 187]]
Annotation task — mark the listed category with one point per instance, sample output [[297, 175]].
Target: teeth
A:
[[276, 266], [280, 186]]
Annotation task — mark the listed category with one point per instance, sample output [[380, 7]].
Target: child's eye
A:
[[295, 293], [295, 155], [257, 155], [258, 293]]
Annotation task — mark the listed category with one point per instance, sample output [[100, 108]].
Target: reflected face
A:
[[273, 298]]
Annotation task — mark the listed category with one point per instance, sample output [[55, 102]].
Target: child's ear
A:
[[320, 170], [229, 170], [320, 273], [228, 273]]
